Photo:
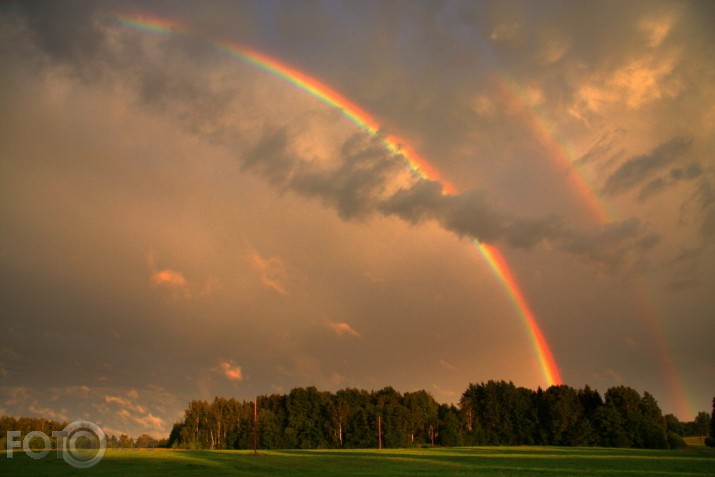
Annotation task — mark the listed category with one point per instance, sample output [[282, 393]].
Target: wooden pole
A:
[[255, 425], [379, 432]]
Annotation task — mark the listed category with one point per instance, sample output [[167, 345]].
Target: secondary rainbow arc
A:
[[560, 152], [394, 144]]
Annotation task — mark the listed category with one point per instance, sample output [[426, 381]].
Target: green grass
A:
[[473, 461]]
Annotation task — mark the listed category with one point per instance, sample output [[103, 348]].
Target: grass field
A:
[[487, 461]]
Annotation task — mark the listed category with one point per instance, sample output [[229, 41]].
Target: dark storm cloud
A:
[[638, 169], [606, 147], [608, 246], [676, 175], [269, 157], [705, 195], [68, 30], [468, 214], [357, 186]]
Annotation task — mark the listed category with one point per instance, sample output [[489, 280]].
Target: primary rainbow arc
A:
[[394, 144]]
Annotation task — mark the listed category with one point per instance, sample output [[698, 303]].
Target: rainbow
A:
[[152, 24], [394, 144], [497, 263], [562, 154], [547, 136], [333, 99], [684, 406], [308, 84]]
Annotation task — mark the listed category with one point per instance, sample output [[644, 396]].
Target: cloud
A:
[[169, 277], [675, 176], [150, 421], [359, 183], [466, 214], [131, 413], [606, 147], [637, 170], [447, 365], [270, 157], [342, 329], [231, 371], [116, 399], [272, 271], [17, 395], [126, 404], [177, 284], [445, 393], [609, 247], [657, 28], [173, 281], [75, 39], [363, 177], [60, 415], [705, 196]]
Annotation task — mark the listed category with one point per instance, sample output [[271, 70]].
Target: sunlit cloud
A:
[[447, 365], [343, 329], [134, 414], [169, 277], [635, 84], [60, 415], [442, 392], [272, 271], [657, 28], [116, 399], [151, 421], [231, 371], [176, 283]]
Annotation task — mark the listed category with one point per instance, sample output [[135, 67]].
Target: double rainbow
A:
[[393, 143]]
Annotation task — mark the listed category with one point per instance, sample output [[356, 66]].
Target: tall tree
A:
[[449, 430], [497, 413], [702, 425], [362, 419], [422, 410], [560, 412], [653, 430], [395, 418], [710, 441], [305, 418], [174, 435]]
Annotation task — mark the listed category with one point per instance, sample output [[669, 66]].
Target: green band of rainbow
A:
[[395, 145]]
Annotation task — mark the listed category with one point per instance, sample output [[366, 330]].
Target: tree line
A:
[[491, 413], [29, 424]]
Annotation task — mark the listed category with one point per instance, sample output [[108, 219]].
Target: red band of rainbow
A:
[[395, 145]]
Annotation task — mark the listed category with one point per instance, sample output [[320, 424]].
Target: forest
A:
[[491, 413]]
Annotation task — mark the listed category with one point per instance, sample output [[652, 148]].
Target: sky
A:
[[470, 191]]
